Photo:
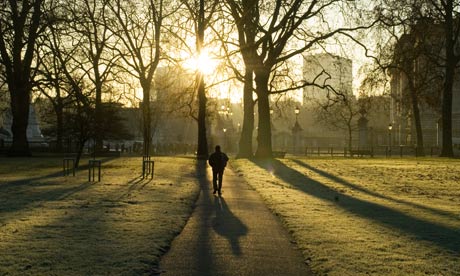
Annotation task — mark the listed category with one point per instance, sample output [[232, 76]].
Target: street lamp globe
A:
[[297, 110]]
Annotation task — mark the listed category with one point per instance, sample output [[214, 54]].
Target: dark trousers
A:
[[217, 176]]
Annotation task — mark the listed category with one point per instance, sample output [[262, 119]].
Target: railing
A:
[[395, 151]]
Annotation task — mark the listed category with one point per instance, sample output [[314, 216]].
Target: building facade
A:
[[418, 73], [327, 74]]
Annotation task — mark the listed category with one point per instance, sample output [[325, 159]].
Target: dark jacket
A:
[[218, 161]]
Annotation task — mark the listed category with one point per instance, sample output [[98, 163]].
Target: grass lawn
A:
[[366, 216], [56, 225]]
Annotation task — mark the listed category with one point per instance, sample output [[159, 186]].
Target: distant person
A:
[[218, 161]]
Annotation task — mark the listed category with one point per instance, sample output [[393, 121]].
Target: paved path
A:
[[232, 235]]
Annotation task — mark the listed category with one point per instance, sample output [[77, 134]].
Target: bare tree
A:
[[423, 78], [405, 56], [65, 76], [442, 17], [88, 30], [50, 77], [20, 25], [446, 13], [201, 13], [267, 33], [340, 113], [245, 14], [138, 26]]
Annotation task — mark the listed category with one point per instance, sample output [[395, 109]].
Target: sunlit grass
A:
[[55, 225], [366, 216]]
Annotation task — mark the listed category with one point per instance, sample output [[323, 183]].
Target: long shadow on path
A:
[[203, 247], [232, 235], [226, 224], [439, 235]]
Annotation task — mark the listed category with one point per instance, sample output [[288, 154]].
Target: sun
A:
[[203, 63]]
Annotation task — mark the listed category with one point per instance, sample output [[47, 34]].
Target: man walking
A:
[[218, 161]]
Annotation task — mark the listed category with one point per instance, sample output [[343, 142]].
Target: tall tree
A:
[[414, 77], [412, 63], [201, 13], [246, 17], [446, 11], [50, 76], [276, 25], [138, 26], [20, 24], [440, 26], [341, 112], [88, 30]]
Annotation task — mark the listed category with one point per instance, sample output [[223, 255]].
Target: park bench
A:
[[361, 152]]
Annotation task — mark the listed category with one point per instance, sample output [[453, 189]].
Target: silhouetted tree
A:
[[50, 78], [201, 12], [266, 30], [443, 16], [88, 34], [138, 27], [20, 25], [245, 14]]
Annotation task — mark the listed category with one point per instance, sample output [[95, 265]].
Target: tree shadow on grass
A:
[[31, 198], [21, 192], [372, 193], [424, 230], [34, 181]]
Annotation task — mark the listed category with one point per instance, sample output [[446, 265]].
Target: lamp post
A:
[[296, 129], [296, 111], [225, 124], [390, 127], [225, 137]]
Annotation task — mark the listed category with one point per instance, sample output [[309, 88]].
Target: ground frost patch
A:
[[366, 216], [55, 225]]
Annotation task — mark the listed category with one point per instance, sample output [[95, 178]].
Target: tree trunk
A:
[[146, 118], [98, 114], [58, 110], [245, 144], [418, 124], [350, 137], [81, 146], [451, 61], [202, 151], [264, 139], [447, 150], [20, 101], [59, 127]]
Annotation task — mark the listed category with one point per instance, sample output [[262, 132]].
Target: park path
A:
[[234, 234]]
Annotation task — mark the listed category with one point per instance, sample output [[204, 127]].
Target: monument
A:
[[34, 134]]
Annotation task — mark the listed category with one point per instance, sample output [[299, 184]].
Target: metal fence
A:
[[385, 151]]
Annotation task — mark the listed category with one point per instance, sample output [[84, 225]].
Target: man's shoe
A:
[[214, 192], [220, 193]]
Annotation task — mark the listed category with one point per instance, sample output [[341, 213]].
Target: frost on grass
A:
[[366, 216], [55, 225]]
